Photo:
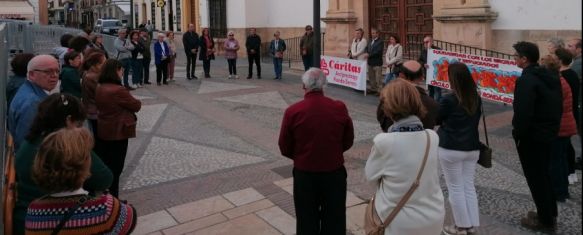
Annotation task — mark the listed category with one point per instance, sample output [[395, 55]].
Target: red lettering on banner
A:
[[496, 97], [440, 84], [346, 66]]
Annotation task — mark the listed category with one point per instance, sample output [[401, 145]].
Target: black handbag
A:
[[485, 158]]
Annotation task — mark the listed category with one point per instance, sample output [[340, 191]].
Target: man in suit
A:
[[276, 48], [375, 62], [147, 41], [434, 92], [161, 53], [191, 44], [253, 45]]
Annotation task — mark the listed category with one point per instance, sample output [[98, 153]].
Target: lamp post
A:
[[317, 36], [131, 19]]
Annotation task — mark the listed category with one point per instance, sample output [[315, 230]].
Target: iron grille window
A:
[[163, 10], [218, 18], [153, 12], [178, 16]]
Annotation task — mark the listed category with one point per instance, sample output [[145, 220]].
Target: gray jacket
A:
[[123, 48], [576, 65]]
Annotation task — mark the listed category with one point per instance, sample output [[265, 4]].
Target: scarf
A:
[[409, 124]]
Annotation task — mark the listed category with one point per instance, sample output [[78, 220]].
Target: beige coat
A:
[[358, 49], [393, 56], [395, 158]]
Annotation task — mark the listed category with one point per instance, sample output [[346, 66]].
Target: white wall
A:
[[298, 13], [204, 13], [537, 14], [236, 14]]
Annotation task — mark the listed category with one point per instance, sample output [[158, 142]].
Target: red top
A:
[[568, 126], [315, 132]]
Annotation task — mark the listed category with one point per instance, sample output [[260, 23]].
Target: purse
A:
[[373, 225], [485, 158]]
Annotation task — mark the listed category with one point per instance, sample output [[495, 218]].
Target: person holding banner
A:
[[537, 117], [434, 91], [358, 47], [374, 58], [459, 148], [393, 57]]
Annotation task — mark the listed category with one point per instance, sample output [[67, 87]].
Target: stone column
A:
[[466, 22], [340, 21]]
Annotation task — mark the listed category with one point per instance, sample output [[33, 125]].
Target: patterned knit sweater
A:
[[103, 214]]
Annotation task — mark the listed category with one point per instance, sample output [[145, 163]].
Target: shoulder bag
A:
[[485, 158], [373, 225]]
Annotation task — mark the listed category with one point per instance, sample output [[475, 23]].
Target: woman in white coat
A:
[[358, 47], [393, 57], [395, 159]]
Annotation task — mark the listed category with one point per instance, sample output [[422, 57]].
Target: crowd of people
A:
[[546, 116], [71, 115]]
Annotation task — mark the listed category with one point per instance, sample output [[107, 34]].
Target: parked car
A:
[[107, 26]]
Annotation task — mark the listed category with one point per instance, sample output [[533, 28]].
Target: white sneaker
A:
[[570, 178], [134, 86], [573, 178]]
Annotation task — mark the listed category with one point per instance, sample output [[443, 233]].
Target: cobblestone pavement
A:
[[206, 159]]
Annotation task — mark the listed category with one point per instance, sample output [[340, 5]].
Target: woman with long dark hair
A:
[[459, 144], [207, 51], [55, 112], [137, 59], [116, 121]]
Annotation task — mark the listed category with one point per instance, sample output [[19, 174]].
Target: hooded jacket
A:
[[537, 105]]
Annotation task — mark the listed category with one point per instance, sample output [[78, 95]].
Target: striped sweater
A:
[[103, 214]]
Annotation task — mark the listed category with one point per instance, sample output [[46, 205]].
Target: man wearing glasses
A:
[[307, 46], [42, 77], [434, 92]]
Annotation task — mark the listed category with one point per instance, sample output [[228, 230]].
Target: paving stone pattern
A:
[[206, 160]]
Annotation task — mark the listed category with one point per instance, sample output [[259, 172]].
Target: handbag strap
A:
[[414, 186], [69, 214], [484, 122]]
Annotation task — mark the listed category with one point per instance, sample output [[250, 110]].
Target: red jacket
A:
[[315, 133], [568, 126], [117, 107]]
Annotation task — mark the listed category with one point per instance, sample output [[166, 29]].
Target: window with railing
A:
[[218, 18]]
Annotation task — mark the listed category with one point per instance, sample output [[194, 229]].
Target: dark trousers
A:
[[190, 65], [146, 67], [162, 71], [434, 92], [535, 160], [232, 66], [137, 71], [113, 154], [571, 157], [559, 168], [254, 58], [308, 61], [127, 65], [277, 66], [320, 202], [206, 66]]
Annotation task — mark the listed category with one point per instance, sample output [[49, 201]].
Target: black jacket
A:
[[428, 121], [458, 130], [190, 41], [375, 52], [573, 80], [423, 56], [253, 42], [538, 105], [138, 48]]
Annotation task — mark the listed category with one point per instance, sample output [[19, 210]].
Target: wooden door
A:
[[410, 20]]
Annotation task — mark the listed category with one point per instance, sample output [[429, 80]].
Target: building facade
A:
[[487, 24]]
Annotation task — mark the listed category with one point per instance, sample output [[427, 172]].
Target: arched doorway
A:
[[411, 20]]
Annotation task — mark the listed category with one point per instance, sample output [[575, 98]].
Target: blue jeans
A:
[[389, 77], [137, 70], [277, 65], [126, 64]]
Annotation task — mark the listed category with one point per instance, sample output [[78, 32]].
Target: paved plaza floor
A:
[[206, 160]]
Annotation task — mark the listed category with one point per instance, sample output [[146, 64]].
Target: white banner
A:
[[494, 77], [344, 72]]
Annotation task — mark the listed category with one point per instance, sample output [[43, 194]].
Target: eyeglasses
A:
[[49, 72], [230, 35]]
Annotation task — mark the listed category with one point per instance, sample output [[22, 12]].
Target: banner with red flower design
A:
[[494, 77]]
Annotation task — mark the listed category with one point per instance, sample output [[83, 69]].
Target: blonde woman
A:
[[172, 55], [395, 160], [231, 46]]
